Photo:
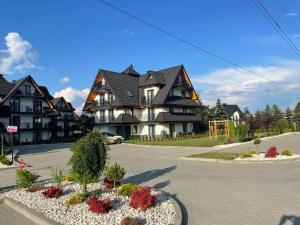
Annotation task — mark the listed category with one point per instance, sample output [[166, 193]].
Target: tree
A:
[[276, 112], [203, 113], [89, 158], [243, 132], [258, 115], [257, 141], [267, 118], [220, 113], [297, 115], [115, 173], [254, 124], [289, 117]]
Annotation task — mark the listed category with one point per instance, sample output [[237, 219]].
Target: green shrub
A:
[[126, 189], [4, 160], [243, 130], [24, 178], [74, 200], [89, 158], [253, 151], [245, 155], [58, 177], [287, 152], [115, 173]]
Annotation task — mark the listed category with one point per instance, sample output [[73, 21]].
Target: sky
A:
[[62, 44]]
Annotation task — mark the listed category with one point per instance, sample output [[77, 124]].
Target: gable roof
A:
[[55, 101], [45, 90], [231, 109], [128, 89], [5, 86]]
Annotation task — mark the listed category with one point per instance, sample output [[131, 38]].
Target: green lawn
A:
[[217, 155], [193, 142]]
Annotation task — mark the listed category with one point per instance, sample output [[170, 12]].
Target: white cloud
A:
[[18, 55], [64, 80], [291, 14], [129, 31], [234, 86], [75, 96]]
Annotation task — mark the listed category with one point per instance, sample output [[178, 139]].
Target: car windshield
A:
[[107, 134]]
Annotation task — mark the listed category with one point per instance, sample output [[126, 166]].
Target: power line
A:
[[236, 66], [276, 26], [286, 12]]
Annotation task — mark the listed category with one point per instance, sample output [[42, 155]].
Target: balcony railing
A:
[[149, 117], [26, 109], [28, 94], [106, 119]]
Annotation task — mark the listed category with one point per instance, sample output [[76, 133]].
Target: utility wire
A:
[[276, 26], [286, 12], [236, 66]]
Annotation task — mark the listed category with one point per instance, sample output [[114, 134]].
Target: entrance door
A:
[[127, 132], [171, 130], [151, 131]]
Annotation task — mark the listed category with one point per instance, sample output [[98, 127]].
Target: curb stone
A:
[[28, 212], [238, 161]]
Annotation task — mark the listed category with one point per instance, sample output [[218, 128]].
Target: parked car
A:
[[113, 139]]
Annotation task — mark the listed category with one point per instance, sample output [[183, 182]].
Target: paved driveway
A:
[[210, 193]]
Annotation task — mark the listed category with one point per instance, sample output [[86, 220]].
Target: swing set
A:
[[218, 127]]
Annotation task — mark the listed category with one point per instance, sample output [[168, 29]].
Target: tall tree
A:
[[203, 113], [267, 118], [289, 117], [220, 113], [297, 116], [258, 115], [276, 112]]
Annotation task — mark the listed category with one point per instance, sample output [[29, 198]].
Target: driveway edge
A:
[[178, 211], [29, 213]]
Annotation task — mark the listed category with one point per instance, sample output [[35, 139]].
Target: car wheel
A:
[[118, 141]]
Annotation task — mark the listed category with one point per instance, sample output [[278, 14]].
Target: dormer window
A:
[[150, 96], [110, 98]]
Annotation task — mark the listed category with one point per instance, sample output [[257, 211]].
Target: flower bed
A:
[[114, 211], [262, 157]]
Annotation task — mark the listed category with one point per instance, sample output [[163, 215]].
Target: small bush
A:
[[24, 178], [253, 151], [287, 152], [74, 200], [58, 177], [245, 155], [35, 188], [99, 206], [52, 192], [142, 198], [127, 189], [257, 141], [4, 160], [115, 173], [271, 153], [130, 221]]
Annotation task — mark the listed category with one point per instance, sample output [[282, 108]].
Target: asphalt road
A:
[[209, 193]]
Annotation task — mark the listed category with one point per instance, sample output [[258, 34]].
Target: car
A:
[[113, 139]]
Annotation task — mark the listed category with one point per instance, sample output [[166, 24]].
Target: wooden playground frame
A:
[[215, 130]]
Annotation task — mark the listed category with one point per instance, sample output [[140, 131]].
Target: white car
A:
[[113, 139]]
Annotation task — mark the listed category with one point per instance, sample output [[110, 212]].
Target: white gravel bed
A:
[[2, 166], [261, 157], [163, 213]]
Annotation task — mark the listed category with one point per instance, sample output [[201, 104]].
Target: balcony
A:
[[23, 93], [104, 120], [148, 118], [147, 100], [26, 109]]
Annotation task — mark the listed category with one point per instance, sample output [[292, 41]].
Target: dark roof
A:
[[14, 87], [5, 86], [152, 78], [68, 104], [173, 117], [130, 71], [45, 91], [230, 109], [128, 90], [126, 118]]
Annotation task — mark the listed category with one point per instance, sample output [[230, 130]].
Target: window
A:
[[151, 131], [183, 94], [151, 115], [110, 98], [171, 109], [27, 89], [101, 100], [129, 111], [184, 128], [111, 115], [102, 116], [37, 122], [150, 96], [134, 129], [14, 105], [184, 110], [171, 93], [37, 106]]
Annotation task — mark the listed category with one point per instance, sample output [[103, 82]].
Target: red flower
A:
[[52, 192], [21, 164], [99, 206], [142, 198], [271, 153], [110, 184]]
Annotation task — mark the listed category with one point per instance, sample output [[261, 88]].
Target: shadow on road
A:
[[289, 220], [148, 175], [38, 149]]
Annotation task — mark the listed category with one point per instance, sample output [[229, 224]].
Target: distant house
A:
[[157, 103], [234, 113]]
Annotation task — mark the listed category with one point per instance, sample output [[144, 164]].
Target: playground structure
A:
[[218, 127]]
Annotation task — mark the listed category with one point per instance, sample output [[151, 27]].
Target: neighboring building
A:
[[234, 113], [158, 103], [66, 120], [28, 106]]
